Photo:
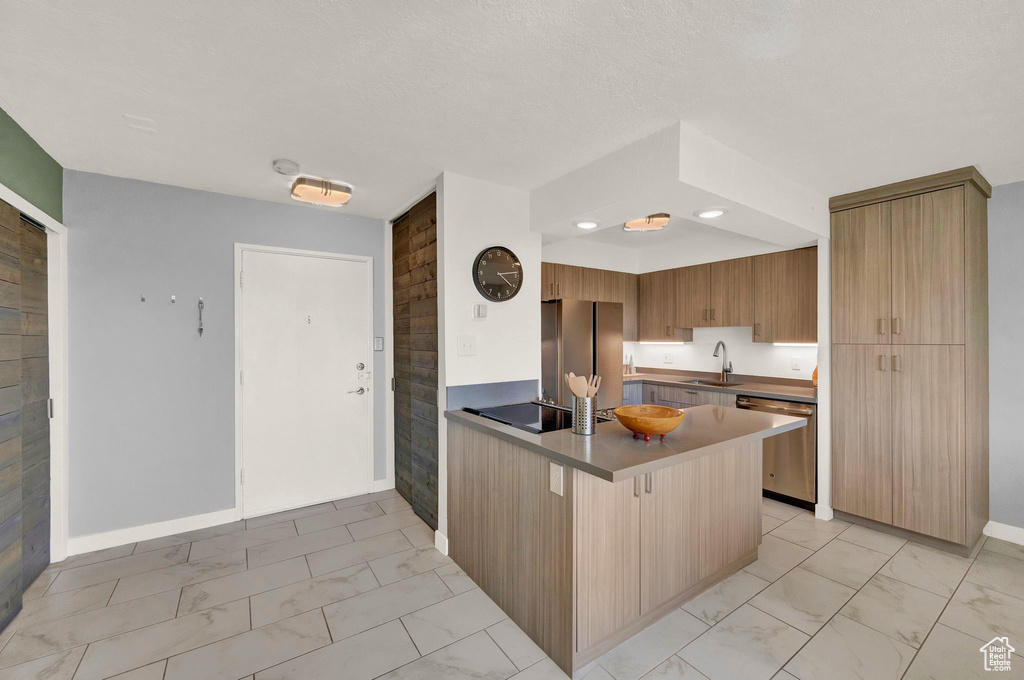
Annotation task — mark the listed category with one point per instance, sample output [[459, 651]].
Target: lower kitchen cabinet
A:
[[632, 393], [685, 397]]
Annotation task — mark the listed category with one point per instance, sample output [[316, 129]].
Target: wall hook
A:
[[200, 317]]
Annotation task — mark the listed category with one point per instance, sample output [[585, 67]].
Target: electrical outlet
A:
[[669, 358], [795, 365], [467, 345], [378, 344], [556, 479]]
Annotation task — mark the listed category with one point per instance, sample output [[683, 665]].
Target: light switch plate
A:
[[556, 479], [467, 345]]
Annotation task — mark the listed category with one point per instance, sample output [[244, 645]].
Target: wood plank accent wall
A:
[[11, 583], [414, 252]]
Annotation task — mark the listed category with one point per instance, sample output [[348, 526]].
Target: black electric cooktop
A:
[[529, 416]]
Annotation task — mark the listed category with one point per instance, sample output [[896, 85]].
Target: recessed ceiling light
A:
[[710, 213], [649, 223], [587, 225], [321, 192]]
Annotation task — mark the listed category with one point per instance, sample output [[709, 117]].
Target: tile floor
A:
[[355, 590]]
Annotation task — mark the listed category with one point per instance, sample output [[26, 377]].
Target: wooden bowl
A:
[[647, 419]]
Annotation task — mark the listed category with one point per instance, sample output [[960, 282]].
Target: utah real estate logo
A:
[[997, 654]]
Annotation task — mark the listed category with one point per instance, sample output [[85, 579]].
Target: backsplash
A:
[[747, 357]]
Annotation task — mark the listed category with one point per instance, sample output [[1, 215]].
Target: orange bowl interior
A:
[[649, 419]]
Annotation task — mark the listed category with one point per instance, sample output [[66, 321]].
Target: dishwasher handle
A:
[[788, 410]]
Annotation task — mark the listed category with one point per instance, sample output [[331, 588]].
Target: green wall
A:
[[29, 171]]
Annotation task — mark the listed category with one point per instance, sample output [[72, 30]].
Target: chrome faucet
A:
[[726, 365]]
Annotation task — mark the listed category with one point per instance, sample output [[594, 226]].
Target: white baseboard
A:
[[823, 512], [1005, 532], [109, 539], [382, 485], [441, 542]]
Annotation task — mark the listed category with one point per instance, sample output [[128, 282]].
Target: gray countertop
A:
[[612, 453], [765, 390]]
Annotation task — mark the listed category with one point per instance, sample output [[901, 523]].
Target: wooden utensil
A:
[[594, 385], [578, 385]]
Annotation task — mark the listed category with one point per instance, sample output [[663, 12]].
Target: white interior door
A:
[[305, 355]]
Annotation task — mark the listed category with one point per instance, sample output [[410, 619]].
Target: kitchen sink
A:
[[711, 383]]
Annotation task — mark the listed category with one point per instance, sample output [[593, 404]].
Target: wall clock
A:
[[497, 273]]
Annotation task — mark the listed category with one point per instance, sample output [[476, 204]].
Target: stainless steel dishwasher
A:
[[790, 459]]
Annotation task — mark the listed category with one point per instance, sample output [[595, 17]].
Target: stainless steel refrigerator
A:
[[584, 338]]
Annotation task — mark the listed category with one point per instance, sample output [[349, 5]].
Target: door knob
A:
[[361, 390]]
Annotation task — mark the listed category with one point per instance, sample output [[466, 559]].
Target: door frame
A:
[[239, 249], [57, 324]]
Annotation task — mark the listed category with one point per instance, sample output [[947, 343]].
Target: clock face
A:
[[498, 274]]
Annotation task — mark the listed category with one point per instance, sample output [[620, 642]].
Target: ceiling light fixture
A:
[[649, 223], [710, 213], [321, 192], [283, 166], [587, 225]]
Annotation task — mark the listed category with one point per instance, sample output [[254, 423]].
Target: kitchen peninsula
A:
[[585, 541]]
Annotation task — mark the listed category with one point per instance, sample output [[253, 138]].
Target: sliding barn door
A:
[[414, 250], [11, 583]]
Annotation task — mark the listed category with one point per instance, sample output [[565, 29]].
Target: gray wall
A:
[[1006, 341], [151, 411]]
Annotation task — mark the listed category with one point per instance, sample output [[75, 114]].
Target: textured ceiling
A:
[[386, 94]]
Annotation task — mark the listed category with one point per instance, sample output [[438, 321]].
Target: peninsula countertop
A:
[[612, 453]]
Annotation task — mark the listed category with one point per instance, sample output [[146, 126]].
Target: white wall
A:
[[580, 252], [747, 357]]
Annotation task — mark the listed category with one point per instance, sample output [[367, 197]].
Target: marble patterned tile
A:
[[517, 645], [783, 675], [899, 610], [746, 645], [419, 534], [948, 653], [803, 599], [250, 538], [452, 619], [140, 585], [189, 536], [769, 523], [647, 649], [242, 584], [775, 557], [362, 499], [351, 554], [717, 602], [80, 629], [675, 668], [288, 515], [593, 672], [407, 563], [362, 612], [394, 504], [456, 579], [476, 657], [779, 510], [116, 568], [299, 545], [846, 563], [847, 650], [1004, 548], [547, 669], [985, 613], [309, 594], [360, 657], [874, 540], [926, 568], [93, 557], [38, 587], [60, 666], [251, 652], [998, 572], [328, 520], [140, 647], [154, 671], [58, 606], [809, 532], [383, 524]]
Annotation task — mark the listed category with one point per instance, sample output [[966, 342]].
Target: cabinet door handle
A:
[[705, 315], [881, 326], [648, 482], [636, 487], [897, 326], [712, 313], [883, 362], [897, 364], [757, 330]]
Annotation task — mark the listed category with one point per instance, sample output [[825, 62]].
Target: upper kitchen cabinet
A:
[[692, 296], [563, 282], [861, 275], [786, 296], [566, 282], [732, 292], [656, 308]]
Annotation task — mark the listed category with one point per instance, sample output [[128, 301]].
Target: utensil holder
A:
[[584, 415]]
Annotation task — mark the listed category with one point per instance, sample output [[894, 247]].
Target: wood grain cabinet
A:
[[732, 292], [566, 282], [692, 296], [910, 355], [786, 296], [656, 308]]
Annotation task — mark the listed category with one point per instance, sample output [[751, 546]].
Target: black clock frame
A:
[[476, 268]]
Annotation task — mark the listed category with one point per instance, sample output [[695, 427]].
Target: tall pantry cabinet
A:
[[910, 355]]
